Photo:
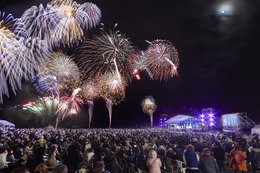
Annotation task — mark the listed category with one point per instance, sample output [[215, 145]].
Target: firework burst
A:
[[59, 74], [45, 108], [149, 106], [139, 63], [162, 59], [105, 54], [90, 92], [65, 69], [68, 30], [63, 66], [47, 83], [61, 22], [69, 106], [112, 87], [38, 49], [40, 22], [18, 54]]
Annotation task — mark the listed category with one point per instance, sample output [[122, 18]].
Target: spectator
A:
[[60, 169], [41, 168], [255, 157], [3, 162], [52, 160], [90, 154], [208, 164], [18, 153], [238, 159], [20, 170], [99, 167], [114, 167], [191, 160], [219, 155], [170, 153], [153, 163], [10, 156]]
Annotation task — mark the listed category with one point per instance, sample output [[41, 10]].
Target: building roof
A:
[[179, 118], [6, 123]]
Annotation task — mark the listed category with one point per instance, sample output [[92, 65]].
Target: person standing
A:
[[255, 157], [219, 155], [207, 163], [153, 163], [238, 159], [191, 160]]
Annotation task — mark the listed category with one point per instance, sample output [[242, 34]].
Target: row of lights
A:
[[162, 122], [207, 118]]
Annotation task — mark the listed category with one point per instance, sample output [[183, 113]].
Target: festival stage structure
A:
[[163, 119], [207, 118], [6, 124], [236, 121], [184, 122]]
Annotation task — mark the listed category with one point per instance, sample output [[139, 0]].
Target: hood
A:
[[152, 154]]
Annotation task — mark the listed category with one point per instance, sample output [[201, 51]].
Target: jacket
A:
[[255, 157], [154, 163], [233, 164], [208, 164]]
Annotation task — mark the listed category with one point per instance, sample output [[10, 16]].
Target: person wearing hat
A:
[[208, 164], [10, 156]]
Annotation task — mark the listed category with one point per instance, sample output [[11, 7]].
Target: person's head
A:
[[189, 147], [10, 150], [152, 154], [206, 152], [99, 167], [60, 169], [238, 147], [217, 144], [40, 168], [20, 170], [102, 155]]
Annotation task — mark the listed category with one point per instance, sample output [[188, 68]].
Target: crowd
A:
[[116, 150]]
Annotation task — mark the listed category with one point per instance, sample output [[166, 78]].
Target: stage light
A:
[[211, 119], [202, 120], [211, 124], [202, 115], [203, 124], [210, 115]]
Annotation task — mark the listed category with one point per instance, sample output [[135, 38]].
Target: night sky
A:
[[218, 45]]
